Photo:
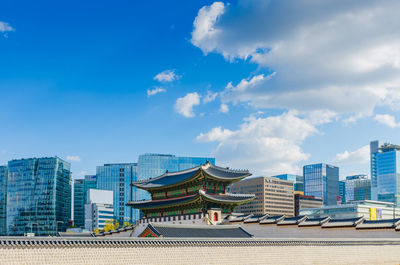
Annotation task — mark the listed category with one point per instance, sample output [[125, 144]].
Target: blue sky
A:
[[257, 84]]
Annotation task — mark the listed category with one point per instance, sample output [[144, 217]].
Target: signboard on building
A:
[[372, 214]]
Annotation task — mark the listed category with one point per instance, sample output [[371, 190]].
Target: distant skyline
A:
[[268, 86]]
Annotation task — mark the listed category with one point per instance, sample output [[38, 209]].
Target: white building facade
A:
[[98, 209]]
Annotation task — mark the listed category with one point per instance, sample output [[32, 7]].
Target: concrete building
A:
[[273, 196], [297, 180], [304, 202], [99, 209], [322, 181], [370, 210]]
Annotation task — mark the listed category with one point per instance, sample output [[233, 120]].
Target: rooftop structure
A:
[[194, 231], [191, 191]]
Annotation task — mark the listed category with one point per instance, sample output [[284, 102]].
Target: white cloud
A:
[[342, 57], [167, 76], [5, 27], [387, 119], [266, 146], [359, 156], [224, 108], [209, 97], [204, 31], [74, 158], [156, 90], [184, 105]]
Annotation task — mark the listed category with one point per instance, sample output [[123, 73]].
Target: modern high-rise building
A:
[[358, 187], [3, 199], [118, 178], [297, 180], [342, 190], [154, 165], [322, 181], [81, 187], [273, 196], [38, 196], [385, 172]]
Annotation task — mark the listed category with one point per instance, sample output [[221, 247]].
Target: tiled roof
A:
[[292, 220], [314, 221], [171, 178], [256, 218], [272, 219], [221, 198], [376, 224], [161, 203], [347, 222], [198, 231]]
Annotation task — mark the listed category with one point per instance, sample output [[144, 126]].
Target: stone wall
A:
[[197, 251]]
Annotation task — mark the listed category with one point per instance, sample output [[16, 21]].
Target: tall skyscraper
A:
[[81, 187], [118, 178], [3, 199], [154, 165], [385, 172], [358, 187], [322, 181], [38, 196], [79, 204], [342, 190], [297, 180]]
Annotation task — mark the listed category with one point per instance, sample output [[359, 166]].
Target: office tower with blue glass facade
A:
[[81, 187], [322, 181], [297, 180], [342, 190], [358, 187], [118, 178], [385, 172], [154, 165], [3, 199], [38, 196]]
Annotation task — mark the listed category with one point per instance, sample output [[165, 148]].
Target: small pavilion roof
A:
[[346, 222], [377, 224], [218, 198], [272, 219], [292, 220], [209, 170], [255, 218], [314, 221], [197, 231]]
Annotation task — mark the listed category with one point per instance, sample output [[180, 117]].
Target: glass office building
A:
[[322, 181], [342, 190], [118, 178], [81, 187], [297, 180], [154, 165], [38, 196], [358, 187], [385, 175], [3, 199]]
